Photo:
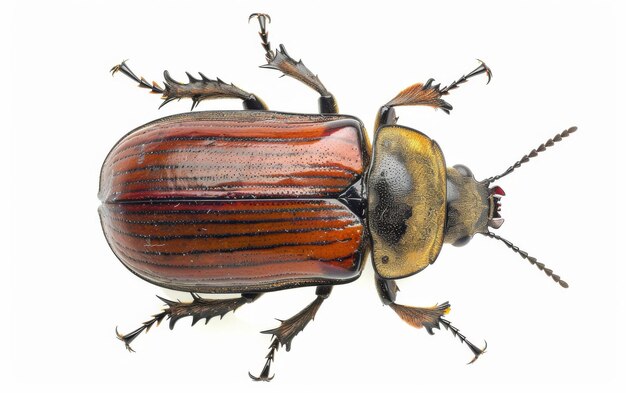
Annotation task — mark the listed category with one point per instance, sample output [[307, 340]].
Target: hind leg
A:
[[196, 89], [199, 308]]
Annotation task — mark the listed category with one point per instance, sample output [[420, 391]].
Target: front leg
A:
[[427, 317], [428, 94]]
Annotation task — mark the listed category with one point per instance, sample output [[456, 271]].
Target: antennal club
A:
[[532, 260]]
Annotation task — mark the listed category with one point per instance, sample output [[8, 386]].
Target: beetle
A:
[[252, 201]]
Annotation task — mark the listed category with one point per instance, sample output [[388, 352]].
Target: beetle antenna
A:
[[532, 260], [534, 152]]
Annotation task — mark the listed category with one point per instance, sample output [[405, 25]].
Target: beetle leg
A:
[[428, 94], [427, 317], [196, 89], [288, 329], [199, 308], [481, 69], [281, 61]]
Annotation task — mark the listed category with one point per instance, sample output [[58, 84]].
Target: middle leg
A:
[[281, 61], [288, 329]]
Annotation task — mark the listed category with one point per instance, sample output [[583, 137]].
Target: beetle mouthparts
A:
[[496, 223], [495, 220]]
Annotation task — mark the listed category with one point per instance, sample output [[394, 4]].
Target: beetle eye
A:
[[463, 170], [462, 241]]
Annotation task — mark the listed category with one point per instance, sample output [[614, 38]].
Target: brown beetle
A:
[[255, 201]]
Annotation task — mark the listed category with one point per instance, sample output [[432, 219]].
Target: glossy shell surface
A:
[[225, 202], [406, 201]]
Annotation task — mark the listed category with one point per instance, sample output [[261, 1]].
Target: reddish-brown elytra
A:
[[220, 202], [255, 201]]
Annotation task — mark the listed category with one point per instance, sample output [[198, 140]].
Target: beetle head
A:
[[472, 206]]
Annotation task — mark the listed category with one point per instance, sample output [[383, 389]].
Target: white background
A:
[[555, 65]]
